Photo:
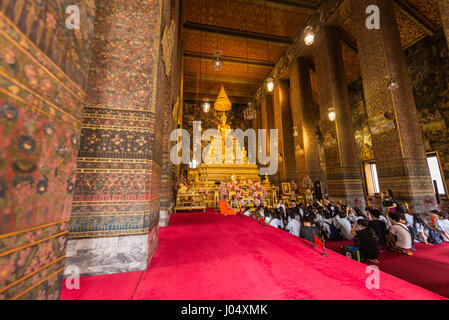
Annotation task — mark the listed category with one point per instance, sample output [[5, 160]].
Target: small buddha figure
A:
[[266, 178], [182, 188]]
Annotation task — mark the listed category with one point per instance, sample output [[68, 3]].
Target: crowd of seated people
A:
[[392, 228]]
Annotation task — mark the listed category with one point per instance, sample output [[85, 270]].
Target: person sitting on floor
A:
[[293, 204], [261, 212], [379, 228], [355, 215], [276, 220], [283, 215], [441, 223], [409, 219], [367, 241], [384, 219], [294, 226], [247, 212], [342, 223], [421, 229], [268, 217], [410, 228], [309, 230], [399, 238], [301, 210], [280, 204], [224, 209]]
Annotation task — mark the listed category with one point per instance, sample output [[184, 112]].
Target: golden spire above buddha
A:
[[222, 103]]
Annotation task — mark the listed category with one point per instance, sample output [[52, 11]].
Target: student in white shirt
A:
[[280, 204], [293, 226], [247, 212], [276, 221], [262, 212], [441, 223], [342, 223], [399, 238], [421, 229], [386, 221], [409, 219], [268, 218]]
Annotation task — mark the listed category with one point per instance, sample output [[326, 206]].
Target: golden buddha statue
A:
[[266, 178], [222, 127], [182, 188]]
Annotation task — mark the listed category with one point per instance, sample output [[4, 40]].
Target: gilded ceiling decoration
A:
[[267, 18]]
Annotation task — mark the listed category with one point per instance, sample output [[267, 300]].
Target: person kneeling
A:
[[367, 240], [399, 238], [293, 226], [224, 209], [309, 231]]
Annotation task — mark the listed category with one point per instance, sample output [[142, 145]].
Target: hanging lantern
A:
[[392, 83], [331, 114], [309, 36], [249, 113], [206, 107], [295, 131], [270, 84], [218, 63]]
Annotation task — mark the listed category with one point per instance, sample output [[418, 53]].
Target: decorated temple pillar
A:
[[283, 122], [395, 131], [305, 118], [270, 124], [172, 67], [343, 168], [116, 202], [444, 11], [266, 115]]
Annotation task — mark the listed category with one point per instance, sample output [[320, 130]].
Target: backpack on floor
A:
[[350, 252], [334, 233], [434, 237]]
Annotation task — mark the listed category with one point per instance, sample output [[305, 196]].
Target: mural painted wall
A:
[[43, 69], [428, 64]]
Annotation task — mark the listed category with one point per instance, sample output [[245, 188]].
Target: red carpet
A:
[[427, 268], [209, 256]]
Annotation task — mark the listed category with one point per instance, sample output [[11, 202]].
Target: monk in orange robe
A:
[[224, 209]]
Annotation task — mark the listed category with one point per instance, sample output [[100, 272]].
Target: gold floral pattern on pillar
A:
[[168, 41]]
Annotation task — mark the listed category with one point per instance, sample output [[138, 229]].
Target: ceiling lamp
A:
[[331, 114], [309, 36], [295, 131], [270, 84], [249, 113], [206, 107], [218, 63], [392, 83]]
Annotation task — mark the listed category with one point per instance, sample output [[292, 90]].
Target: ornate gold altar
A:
[[208, 176]]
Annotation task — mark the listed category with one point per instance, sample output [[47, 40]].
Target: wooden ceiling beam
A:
[[237, 33], [348, 42], [234, 60], [414, 15], [299, 6], [233, 80], [234, 101], [214, 93]]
